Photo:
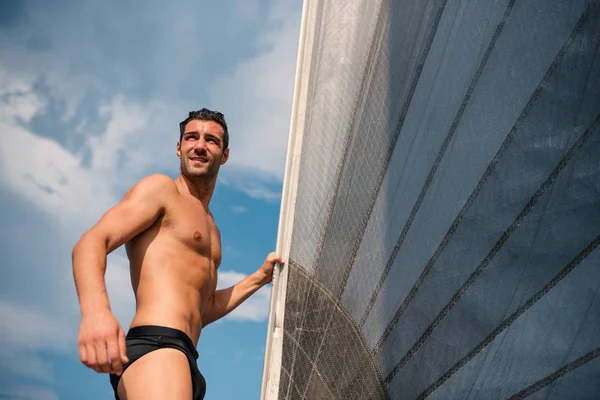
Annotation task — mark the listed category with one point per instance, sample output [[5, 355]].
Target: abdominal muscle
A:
[[171, 282]]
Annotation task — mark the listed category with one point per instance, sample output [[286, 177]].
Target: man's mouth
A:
[[199, 159]]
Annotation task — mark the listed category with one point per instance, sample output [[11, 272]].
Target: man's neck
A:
[[202, 190]]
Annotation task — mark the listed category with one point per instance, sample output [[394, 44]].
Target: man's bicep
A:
[[124, 221], [141, 206]]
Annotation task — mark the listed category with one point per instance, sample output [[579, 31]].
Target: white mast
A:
[[274, 342]]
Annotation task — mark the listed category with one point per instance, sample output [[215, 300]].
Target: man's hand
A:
[[226, 300], [265, 272], [102, 343]]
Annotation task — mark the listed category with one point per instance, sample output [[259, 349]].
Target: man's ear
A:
[[178, 150], [225, 156]]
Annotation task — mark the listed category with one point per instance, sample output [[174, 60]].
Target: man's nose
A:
[[200, 145]]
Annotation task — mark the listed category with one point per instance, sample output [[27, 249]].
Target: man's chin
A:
[[198, 174]]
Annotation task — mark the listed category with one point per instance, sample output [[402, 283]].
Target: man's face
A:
[[201, 149]]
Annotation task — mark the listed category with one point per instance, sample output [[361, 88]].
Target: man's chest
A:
[[191, 225]]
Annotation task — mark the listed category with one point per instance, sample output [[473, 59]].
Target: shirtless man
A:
[[174, 250]]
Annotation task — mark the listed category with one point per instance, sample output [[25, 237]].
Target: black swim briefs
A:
[[142, 340]]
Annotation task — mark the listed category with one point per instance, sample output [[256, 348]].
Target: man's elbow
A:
[[88, 240], [208, 318], [77, 248]]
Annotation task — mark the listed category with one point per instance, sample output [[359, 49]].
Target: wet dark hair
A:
[[206, 115]]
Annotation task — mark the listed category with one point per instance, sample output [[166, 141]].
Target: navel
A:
[[197, 235]]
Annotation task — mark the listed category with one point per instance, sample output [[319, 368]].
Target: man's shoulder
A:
[[155, 184], [158, 180]]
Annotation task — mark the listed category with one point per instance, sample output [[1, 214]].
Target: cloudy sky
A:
[[91, 94]]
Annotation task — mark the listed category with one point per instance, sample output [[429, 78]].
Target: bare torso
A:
[[173, 266]]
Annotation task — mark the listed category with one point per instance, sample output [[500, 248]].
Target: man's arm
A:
[[223, 301], [100, 332]]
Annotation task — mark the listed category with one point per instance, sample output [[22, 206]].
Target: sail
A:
[[441, 207]]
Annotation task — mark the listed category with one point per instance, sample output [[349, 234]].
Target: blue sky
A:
[[91, 94]]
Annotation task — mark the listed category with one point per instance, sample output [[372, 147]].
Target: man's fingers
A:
[[92, 360], [122, 347], [274, 258], [83, 354], [102, 357], [114, 355]]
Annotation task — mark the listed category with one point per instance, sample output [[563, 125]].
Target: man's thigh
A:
[[160, 374]]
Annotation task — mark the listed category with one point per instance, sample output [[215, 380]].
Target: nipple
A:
[[197, 235]]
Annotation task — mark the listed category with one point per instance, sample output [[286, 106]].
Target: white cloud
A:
[[255, 308], [21, 102], [24, 68], [13, 83], [56, 180], [42, 170], [126, 120]]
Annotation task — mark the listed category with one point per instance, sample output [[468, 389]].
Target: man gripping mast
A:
[[174, 250]]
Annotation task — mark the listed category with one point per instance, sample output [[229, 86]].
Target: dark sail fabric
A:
[[446, 220]]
